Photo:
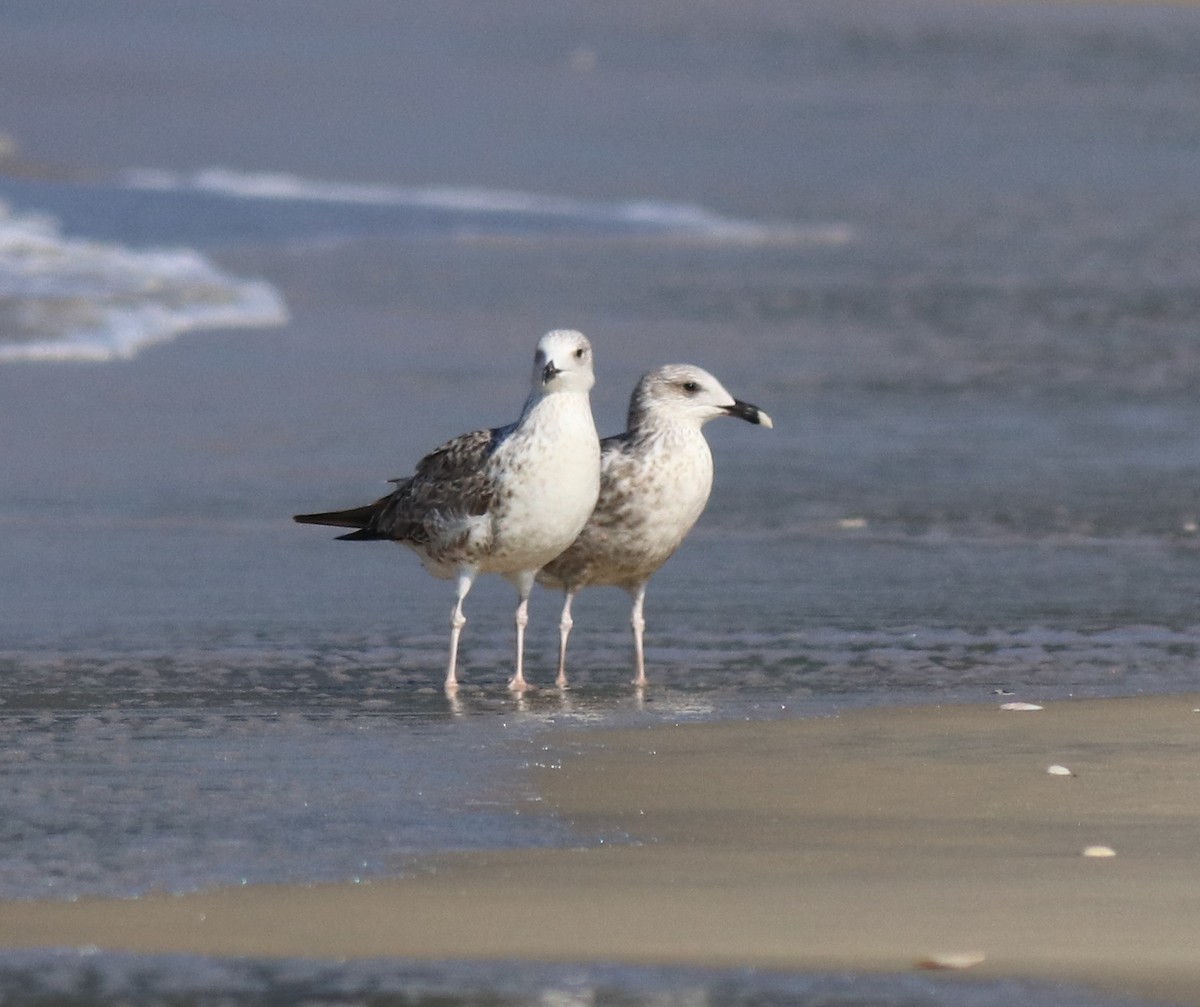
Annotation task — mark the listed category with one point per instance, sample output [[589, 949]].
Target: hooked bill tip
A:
[[748, 412]]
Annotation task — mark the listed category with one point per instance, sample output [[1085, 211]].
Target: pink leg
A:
[[564, 630], [466, 577], [639, 627], [524, 583]]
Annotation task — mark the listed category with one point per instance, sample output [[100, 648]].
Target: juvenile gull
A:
[[502, 501], [654, 482]]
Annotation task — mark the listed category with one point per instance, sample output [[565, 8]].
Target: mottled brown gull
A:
[[655, 479], [502, 501]]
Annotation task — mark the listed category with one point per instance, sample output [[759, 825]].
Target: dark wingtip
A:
[[362, 535], [356, 518]]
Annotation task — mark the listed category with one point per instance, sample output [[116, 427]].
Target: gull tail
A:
[[358, 518]]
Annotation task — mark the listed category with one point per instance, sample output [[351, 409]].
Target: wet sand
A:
[[867, 841]]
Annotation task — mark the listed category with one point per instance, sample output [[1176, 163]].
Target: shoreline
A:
[[867, 841]]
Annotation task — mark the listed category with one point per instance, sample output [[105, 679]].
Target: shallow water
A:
[[101, 979], [952, 251]]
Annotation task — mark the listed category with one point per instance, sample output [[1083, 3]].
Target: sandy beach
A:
[[872, 841]]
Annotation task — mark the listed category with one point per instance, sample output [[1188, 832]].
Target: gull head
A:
[[682, 393], [563, 362]]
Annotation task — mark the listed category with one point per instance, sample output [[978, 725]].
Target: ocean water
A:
[[88, 977], [137, 279], [251, 267]]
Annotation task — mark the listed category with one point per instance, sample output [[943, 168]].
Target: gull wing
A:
[[451, 481]]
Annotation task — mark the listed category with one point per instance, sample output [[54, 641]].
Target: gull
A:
[[655, 479], [506, 500]]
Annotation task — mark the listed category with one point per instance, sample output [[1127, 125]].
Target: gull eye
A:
[[691, 387], [580, 353]]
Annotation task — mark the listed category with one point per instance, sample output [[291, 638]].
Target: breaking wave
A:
[[64, 298]]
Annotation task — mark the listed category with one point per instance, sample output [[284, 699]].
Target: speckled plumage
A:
[[653, 486], [505, 500], [655, 480]]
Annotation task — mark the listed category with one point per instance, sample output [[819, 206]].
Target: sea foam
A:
[[645, 216], [64, 298]]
